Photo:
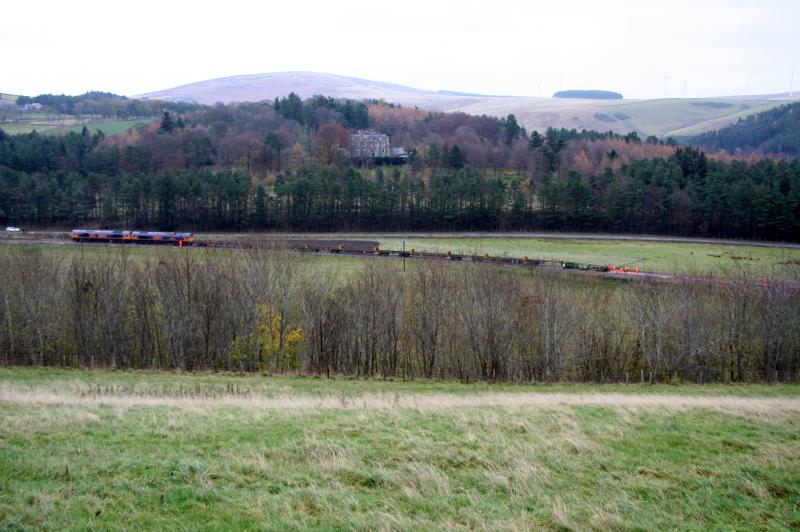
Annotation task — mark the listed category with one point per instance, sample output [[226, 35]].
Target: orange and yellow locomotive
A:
[[132, 237]]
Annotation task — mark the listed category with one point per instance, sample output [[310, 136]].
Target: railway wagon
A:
[[104, 236]]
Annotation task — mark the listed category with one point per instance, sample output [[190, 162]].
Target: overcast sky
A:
[[707, 47]]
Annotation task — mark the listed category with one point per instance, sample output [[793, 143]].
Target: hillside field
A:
[[109, 127], [661, 117], [108, 450]]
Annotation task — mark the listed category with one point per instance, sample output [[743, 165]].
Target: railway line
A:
[[361, 248]]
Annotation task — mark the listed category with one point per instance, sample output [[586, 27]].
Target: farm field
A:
[[145, 450], [680, 116], [112, 127], [17, 129], [701, 257], [685, 257], [109, 127], [650, 256]]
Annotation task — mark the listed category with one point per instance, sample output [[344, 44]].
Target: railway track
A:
[[411, 254], [370, 249]]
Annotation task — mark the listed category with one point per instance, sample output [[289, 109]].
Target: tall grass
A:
[[512, 467]]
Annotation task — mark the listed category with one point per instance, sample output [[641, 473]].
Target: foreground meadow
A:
[[142, 450]]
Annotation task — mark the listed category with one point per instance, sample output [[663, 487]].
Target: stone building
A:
[[367, 143]]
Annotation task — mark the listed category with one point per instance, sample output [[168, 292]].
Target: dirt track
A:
[[47, 236], [30, 397]]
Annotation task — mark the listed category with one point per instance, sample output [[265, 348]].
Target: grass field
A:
[[110, 127], [675, 257], [108, 450], [650, 256], [17, 129], [745, 261], [680, 116]]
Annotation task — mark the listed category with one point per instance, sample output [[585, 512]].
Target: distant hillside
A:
[[588, 95], [258, 87], [776, 131], [660, 117], [96, 110]]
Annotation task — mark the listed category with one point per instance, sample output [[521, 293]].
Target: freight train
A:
[[187, 239], [132, 237]]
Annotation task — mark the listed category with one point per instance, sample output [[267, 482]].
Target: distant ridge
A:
[[660, 117], [774, 132], [588, 95], [268, 86], [457, 93]]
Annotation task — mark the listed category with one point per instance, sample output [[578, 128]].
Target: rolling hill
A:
[[588, 95], [776, 131], [660, 117], [257, 87]]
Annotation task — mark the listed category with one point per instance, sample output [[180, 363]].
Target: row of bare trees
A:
[[261, 310]]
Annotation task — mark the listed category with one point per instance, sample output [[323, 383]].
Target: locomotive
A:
[[132, 237]]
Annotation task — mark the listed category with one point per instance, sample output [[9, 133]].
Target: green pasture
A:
[[83, 464], [648, 256], [109, 127], [673, 257], [40, 116], [17, 129], [684, 258]]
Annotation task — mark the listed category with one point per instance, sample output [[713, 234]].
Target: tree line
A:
[[776, 132], [105, 104], [278, 166], [260, 311], [683, 195]]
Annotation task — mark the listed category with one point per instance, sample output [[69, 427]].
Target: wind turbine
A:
[[666, 78]]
